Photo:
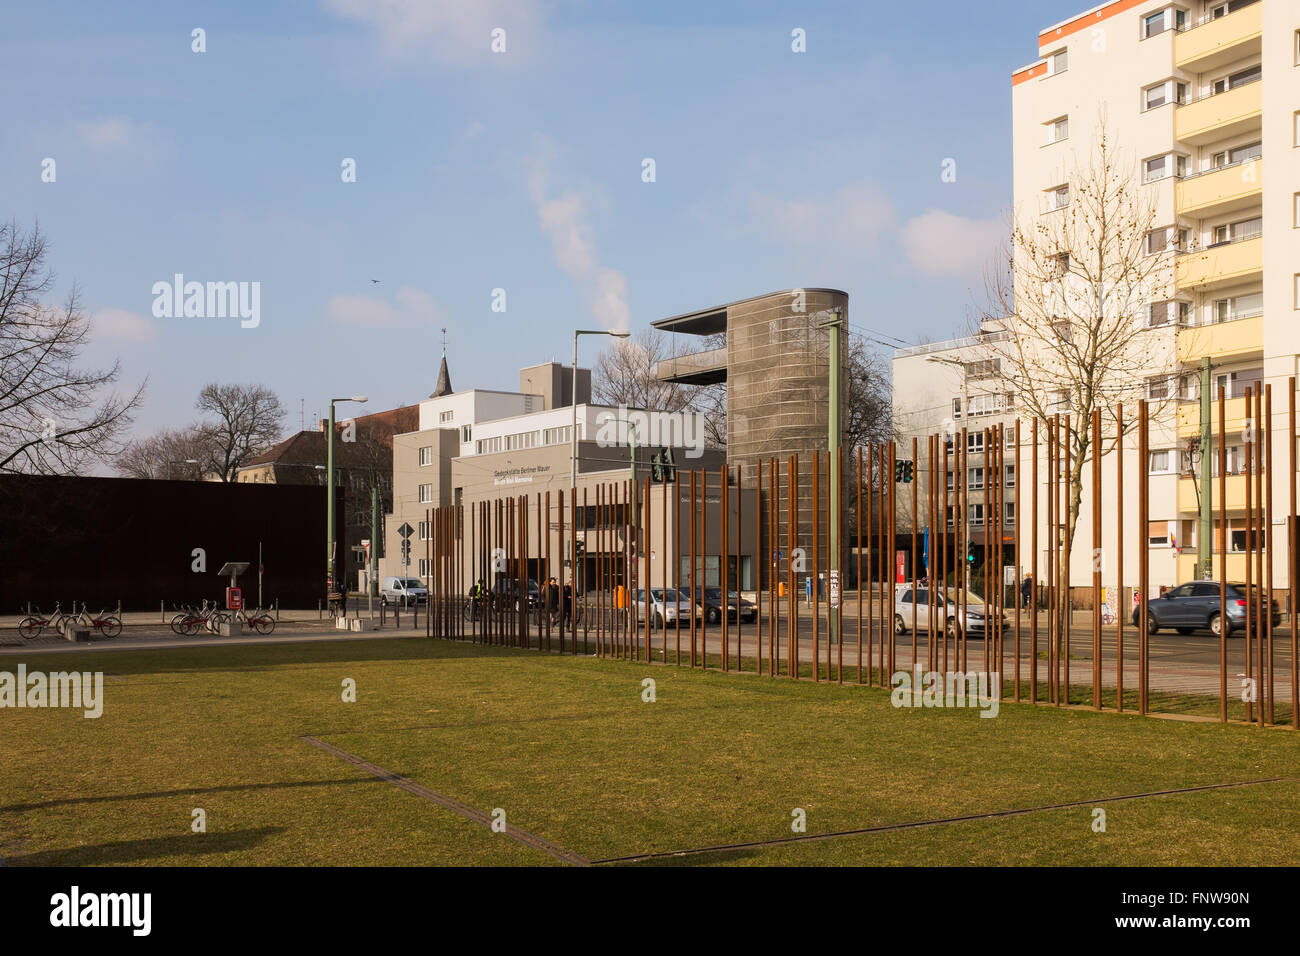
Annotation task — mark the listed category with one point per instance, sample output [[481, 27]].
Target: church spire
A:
[[444, 377]]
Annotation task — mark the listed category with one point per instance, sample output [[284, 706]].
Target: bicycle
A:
[[259, 620], [104, 623], [190, 621], [31, 626]]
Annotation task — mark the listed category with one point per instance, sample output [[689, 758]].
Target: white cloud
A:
[[123, 326], [107, 133], [942, 244], [564, 219], [446, 30], [409, 307], [857, 214]]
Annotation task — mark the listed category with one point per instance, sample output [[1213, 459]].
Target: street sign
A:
[[406, 530], [835, 587]]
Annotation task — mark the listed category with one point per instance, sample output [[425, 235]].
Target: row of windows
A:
[[975, 515], [529, 439]]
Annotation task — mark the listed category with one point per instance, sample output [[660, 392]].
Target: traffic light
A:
[[662, 469], [406, 549], [904, 470], [898, 472], [656, 469], [908, 469], [670, 467], [970, 553]]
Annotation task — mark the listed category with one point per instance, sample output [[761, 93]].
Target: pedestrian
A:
[[1027, 591]]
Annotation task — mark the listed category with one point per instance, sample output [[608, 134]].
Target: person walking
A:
[[1027, 591]]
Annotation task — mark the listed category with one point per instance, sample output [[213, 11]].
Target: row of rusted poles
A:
[[1293, 566]]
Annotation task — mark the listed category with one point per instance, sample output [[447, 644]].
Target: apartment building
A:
[[485, 445], [1202, 99]]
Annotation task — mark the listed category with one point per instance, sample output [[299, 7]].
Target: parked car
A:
[[403, 591], [971, 618], [1195, 606], [712, 601], [666, 607], [505, 593]]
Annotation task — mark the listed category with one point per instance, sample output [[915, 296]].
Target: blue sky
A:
[[519, 170]]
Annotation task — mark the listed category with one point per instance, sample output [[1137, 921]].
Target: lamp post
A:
[[329, 491]]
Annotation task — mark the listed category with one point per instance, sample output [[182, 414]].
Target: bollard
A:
[[277, 609], [319, 615]]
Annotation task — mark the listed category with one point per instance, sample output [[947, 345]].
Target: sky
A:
[[520, 169]]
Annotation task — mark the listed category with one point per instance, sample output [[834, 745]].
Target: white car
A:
[[667, 607], [909, 599], [403, 591]]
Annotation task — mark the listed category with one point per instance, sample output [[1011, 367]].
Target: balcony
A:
[[1234, 415], [1221, 191], [1212, 43], [1235, 493], [1220, 115], [1236, 565], [1222, 340], [1221, 265], [699, 368]]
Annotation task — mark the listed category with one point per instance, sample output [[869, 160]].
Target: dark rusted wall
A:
[[101, 540]]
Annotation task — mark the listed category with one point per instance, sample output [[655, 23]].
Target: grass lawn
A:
[[566, 747]]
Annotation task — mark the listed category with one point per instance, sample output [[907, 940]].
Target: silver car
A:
[[912, 600], [666, 607]]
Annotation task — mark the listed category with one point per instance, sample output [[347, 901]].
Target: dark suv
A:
[[1195, 606]]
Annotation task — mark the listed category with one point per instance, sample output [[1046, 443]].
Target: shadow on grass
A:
[[195, 791], [252, 657], [139, 851]]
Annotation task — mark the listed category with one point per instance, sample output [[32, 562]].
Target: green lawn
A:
[[566, 747]]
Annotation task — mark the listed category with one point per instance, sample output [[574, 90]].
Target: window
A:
[[987, 368], [426, 455], [1057, 62], [423, 531], [1240, 78], [1167, 311], [1297, 290], [1238, 231], [1296, 201], [1157, 241], [956, 402], [975, 443], [1159, 388], [1237, 307], [1061, 265], [1058, 130], [426, 493], [1153, 24], [975, 479], [977, 514], [1158, 534], [950, 484], [1009, 514], [446, 416], [1154, 169], [1295, 125], [465, 433], [1058, 197], [1160, 462], [1155, 96], [1009, 475]]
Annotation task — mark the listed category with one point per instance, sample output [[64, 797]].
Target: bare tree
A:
[[55, 416], [247, 420], [868, 413], [1079, 306], [179, 453]]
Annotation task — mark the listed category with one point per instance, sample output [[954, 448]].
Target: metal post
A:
[[1096, 558], [1204, 544], [1223, 559], [1121, 602], [816, 567]]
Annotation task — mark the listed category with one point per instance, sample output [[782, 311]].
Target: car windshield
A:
[[411, 583], [713, 594], [670, 595], [973, 600]]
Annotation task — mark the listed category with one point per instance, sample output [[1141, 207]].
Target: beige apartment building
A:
[[484, 445], [1202, 99]]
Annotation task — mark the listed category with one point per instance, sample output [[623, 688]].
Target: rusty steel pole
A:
[[1293, 566], [1270, 541], [1144, 557], [1096, 558]]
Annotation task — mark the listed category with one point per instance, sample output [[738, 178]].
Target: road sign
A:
[[406, 530], [835, 587]]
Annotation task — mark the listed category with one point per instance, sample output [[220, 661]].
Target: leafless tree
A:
[[178, 453], [245, 420], [1079, 316], [56, 417]]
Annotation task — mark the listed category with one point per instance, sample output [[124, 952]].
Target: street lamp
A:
[[329, 490], [573, 388]]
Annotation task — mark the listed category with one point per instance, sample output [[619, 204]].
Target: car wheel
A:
[[899, 628], [1185, 631], [950, 628], [1153, 626], [1216, 624], [714, 616], [659, 622]]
